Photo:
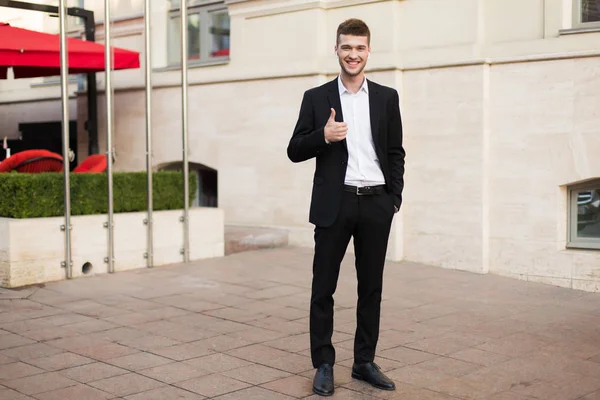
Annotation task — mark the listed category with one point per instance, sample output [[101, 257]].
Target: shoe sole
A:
[[360, 378], [320, 393]]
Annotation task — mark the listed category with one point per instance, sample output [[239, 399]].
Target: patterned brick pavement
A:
[[237, 328]]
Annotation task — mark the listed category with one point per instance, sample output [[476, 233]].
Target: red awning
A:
[[32, 54]]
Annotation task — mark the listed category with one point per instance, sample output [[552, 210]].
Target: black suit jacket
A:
[[308, 141]]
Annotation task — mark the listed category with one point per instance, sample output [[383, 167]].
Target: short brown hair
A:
[[354, 27]]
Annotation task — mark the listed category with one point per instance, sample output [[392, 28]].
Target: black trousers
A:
[[368, 219]]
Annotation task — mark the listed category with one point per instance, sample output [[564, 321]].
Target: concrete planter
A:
[[32, 250]]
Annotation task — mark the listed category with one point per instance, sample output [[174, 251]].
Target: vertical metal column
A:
[[184, 126], [64, 92], [149, 222], [109, 133]]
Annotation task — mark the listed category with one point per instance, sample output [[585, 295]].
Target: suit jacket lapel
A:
[[333, 96], [374, 112]]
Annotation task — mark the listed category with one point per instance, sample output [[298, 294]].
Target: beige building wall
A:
[[499, 101]]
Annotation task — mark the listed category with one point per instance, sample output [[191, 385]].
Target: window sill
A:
[[581, 245], [574, 31], [195, 64]]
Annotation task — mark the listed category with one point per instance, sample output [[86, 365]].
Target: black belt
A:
[[365, 190]]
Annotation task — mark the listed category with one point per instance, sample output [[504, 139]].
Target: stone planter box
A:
[[32, 250]]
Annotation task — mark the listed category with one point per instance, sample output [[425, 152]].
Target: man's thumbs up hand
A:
[[335, 131]]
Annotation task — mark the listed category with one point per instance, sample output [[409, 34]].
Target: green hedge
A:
[[24, 195]]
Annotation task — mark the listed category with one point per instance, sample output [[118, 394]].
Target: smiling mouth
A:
[[353, 63]]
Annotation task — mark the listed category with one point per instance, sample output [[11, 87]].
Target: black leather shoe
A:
[[323, 383], [371, 373]]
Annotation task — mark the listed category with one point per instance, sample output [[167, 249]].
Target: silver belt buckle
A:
[[358, 193]]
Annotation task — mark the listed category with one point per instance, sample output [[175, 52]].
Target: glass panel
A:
[[219, 32], [588, 213], [193, 38], [174, 40], [590, 10]]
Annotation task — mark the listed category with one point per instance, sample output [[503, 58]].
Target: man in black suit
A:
[[352, 127]]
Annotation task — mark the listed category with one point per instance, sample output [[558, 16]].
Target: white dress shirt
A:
[[363, 167]]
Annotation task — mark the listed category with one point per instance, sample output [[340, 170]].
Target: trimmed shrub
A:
[[41, 195]]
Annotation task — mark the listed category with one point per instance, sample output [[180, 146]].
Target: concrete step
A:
[[248, 238]]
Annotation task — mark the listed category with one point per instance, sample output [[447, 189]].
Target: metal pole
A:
[[184, 125], [150, 238], [109, 132], [64, 92]]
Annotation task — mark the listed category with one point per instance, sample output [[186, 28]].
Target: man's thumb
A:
[[332, 116]]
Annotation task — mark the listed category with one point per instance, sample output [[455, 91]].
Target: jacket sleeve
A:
[[307, 140], [396, 153]]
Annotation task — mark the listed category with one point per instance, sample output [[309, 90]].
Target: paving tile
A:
[[20, 327], [105, 352], [138, 361], [257, 335], [11, 340], [478, 356], [166, 393], [9, 394], [149, 342], [235, 314], [465, 389], [406, 355], [77, 342], [425, 394], [256, 374], [134, 318], [274, 358], [449, 366], [35, 350], [590, 396], [185, 334], [224, 343], [294, 343], [417, 376], [173, 373], [184, 351], [254, 393], [125, 385], [50, 333], [78, 392], [65, 319], [92, 372], [569, 388], [212, 385], [41, 383], [515, 345], [217, 363], [343, 394], [448, 343], [92, 326], [17, 370], [6, 360], [511, 396], [295, 386], [166, 312], [60, 361]]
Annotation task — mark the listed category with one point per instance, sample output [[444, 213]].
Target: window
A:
[[584, 216], [586, 13], [208, 32]]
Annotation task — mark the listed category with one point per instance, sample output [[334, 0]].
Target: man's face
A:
[[352, 52]]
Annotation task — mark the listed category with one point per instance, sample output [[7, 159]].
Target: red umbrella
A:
[[32, 54]]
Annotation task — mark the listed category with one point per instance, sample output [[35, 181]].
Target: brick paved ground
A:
[[236, 328]]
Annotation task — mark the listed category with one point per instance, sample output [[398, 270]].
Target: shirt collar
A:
[[342, 89]]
